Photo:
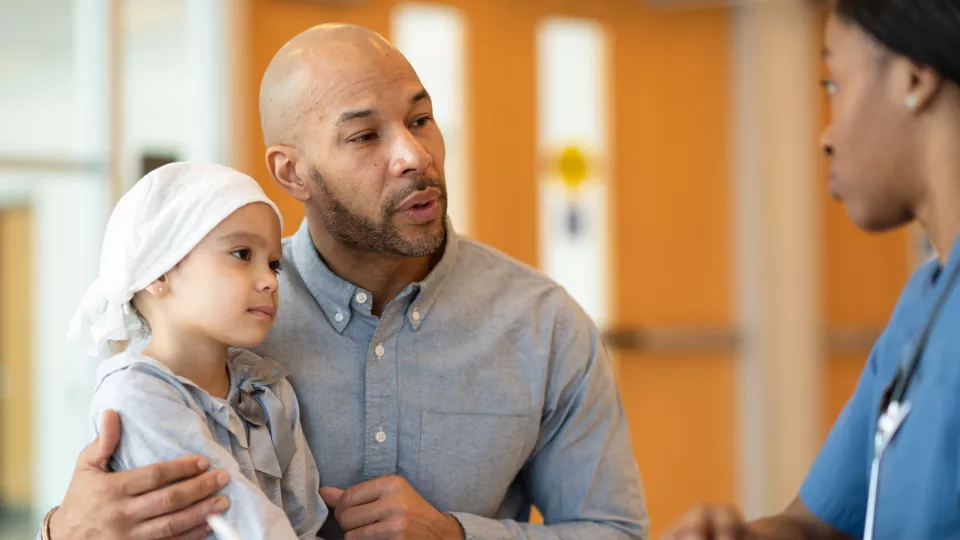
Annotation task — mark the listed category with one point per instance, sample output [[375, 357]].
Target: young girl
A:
[[190, 260]]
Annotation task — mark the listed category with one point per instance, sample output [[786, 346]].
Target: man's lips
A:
[[419, 200]]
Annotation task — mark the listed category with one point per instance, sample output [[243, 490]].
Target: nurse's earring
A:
[[912, 102]]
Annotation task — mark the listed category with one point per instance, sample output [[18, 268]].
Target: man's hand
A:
[[388, 508], [131, 504], [710, 523]]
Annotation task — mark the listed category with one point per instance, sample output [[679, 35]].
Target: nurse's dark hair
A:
[[925, 31]]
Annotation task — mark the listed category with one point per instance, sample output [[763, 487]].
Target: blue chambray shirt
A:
[[485, 386]]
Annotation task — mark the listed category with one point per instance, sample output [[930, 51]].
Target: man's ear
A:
[[282, 164]]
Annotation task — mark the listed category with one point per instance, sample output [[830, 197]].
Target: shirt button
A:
[[379, 350], [415, 315], [361, 298], [381, 436], [338, 317]]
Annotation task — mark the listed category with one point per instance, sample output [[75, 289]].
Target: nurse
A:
[[890, 468]]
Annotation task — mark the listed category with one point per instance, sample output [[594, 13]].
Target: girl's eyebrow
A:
[[243, 237]]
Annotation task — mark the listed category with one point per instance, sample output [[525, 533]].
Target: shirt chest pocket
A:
[[468, 461]]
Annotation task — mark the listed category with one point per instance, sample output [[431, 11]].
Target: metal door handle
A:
[[674, 340]]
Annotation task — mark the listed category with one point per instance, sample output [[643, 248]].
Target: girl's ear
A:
[[159, 288]]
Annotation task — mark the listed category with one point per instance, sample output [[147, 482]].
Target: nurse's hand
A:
[[710, 523], [797, 522], [168, 500]]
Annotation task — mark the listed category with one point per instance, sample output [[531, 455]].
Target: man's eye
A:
[[422, 121], [366, 137]]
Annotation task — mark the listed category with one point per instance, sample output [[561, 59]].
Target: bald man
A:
[[444, 387]]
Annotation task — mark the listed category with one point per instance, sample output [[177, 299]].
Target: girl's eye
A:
[[276, 266], [242, 254]]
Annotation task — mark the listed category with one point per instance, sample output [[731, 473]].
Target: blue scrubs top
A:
[[919, 486]]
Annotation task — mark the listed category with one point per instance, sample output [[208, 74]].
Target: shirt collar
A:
[[339, 299], [247, 372]]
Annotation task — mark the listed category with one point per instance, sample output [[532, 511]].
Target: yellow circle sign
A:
[[573, 166]]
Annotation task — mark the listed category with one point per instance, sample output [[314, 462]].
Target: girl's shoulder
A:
[[132, 377]]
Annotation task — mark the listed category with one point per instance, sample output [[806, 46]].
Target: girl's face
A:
[[226, 288]]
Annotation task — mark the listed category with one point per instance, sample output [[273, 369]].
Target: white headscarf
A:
[[153, 227]]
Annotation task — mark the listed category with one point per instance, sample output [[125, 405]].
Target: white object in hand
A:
[[222, 528]]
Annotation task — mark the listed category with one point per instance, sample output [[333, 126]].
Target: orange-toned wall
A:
[[670, 125]]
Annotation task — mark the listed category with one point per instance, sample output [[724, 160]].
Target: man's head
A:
[[349, 131], [893, 72]]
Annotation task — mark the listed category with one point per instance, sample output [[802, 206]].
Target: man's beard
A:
[[358, 232]]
